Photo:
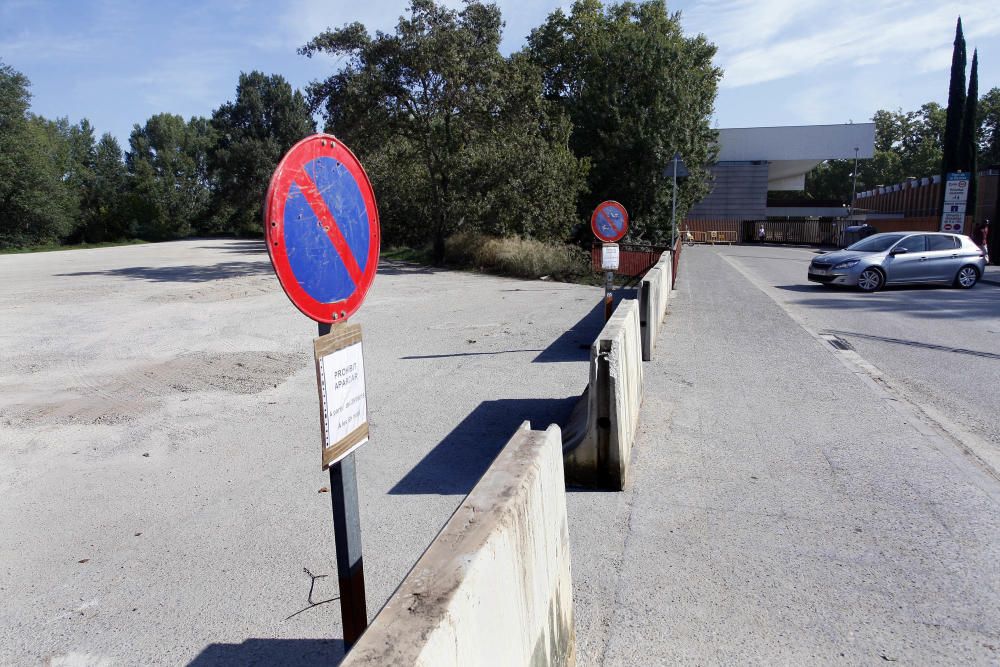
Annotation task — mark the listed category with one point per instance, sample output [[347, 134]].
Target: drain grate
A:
[[839, 343]]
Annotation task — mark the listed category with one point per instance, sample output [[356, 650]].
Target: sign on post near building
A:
[[956, 194]]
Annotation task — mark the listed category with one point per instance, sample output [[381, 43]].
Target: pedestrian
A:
[[980, 236], [761, 233]]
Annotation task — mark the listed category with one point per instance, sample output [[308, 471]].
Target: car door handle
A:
[[923, 259]]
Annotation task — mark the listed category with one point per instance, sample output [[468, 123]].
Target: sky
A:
[[786, 62]]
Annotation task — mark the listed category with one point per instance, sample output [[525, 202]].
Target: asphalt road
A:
[[941, 345], [787, 505], [163, 500]]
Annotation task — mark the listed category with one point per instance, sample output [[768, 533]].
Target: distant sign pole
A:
[[609, 223], [323, 236], [677, 170], [956, 194]]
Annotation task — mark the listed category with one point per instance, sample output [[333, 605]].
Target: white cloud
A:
[[767, 40], [302, 20], [182, 82]]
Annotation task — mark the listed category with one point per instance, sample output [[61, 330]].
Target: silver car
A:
[[901, 258]]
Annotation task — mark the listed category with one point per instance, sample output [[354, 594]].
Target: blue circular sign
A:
[[609, 221], [322, 228]]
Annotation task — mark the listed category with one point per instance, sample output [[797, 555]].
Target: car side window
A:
[[942, 243], [915, 243]]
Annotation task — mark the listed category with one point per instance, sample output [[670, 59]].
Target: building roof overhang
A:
[[792, 151]]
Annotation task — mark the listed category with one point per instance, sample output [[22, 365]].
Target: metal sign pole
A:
[[347, 538], [673, 208], [609, 283]]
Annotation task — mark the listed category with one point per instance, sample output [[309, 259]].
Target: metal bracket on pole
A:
[[347, 539]]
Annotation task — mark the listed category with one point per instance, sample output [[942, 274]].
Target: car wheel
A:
[[966, 277], [871, 280]]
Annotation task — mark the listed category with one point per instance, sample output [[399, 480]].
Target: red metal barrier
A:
[[634, 260], [676, 262]]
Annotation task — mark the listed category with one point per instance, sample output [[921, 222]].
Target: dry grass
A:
[[524, 258]]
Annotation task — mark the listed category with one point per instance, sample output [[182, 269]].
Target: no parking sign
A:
[[609, 221], [322, 228]]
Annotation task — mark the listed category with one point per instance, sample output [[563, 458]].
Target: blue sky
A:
[[787, 62]]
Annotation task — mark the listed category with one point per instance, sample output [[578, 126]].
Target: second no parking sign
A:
[[609, 221]]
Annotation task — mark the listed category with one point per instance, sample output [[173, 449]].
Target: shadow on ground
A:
[[396, 267], [304, 652], [455, 465], [574, 344], [913, 343], [926, 301], [467, 354], [183, 274], [239, 246]]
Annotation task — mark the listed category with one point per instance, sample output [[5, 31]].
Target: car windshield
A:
[[877, 243]]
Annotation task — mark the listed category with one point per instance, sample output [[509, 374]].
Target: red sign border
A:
[[317, 145], [593, 221]]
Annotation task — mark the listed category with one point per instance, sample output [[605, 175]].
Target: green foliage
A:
[[453, 134], [968, 146], [515, 256], [950, 160], [989, 128], [636, 91], [36, 204], [103, 203], [254, 132], [168, 167]]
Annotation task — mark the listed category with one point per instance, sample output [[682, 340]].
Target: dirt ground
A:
[[163, 500]]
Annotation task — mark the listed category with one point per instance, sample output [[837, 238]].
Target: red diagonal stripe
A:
[[611, 222], [318, 206]]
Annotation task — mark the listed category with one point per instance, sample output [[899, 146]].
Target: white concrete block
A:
[[666, 267], [494, 588], [600, 456], [649, 310]]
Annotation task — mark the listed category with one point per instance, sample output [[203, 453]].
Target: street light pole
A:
[[854, 186], [673, 209]]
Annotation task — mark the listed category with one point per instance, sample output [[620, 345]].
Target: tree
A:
[[968, 147], [956, 110], [36, 206], [254, 132], [454, 135], [989, 128], [636, 91], [168, 169], [103, 206]]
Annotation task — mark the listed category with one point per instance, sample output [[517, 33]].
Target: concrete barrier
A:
[[654, 295], [597, 442], [649, 324], [494, 587], [666, 266]]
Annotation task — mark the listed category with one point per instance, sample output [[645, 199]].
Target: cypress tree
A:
[[969, 145], [956, 108]]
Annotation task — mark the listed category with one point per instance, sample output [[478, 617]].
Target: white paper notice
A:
[[609, 257], [344, 404]]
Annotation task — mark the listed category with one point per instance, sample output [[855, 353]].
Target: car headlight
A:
[[848, 264]]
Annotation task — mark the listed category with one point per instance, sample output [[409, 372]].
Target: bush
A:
[[514, 256]]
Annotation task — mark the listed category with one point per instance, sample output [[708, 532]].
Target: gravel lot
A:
[[159, 443]]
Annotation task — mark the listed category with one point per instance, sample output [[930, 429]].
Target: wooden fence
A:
[[804, 231], [929, 223]]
